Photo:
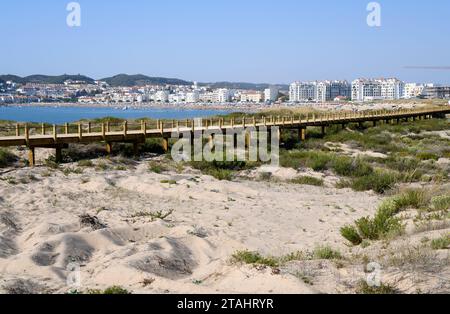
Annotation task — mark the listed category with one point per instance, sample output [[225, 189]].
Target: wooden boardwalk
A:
[[59, 137]]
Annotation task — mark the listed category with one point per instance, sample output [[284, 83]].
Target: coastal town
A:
[[93, 92]]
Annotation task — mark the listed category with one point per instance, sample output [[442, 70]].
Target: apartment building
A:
[[321, 91], [301, 91], [271, 94], [252, 96], [413, 90], [436, 92], [222, 95], [192, 97], [377, 89]]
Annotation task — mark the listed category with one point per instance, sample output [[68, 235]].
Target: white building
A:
[[299, 91], [377, 89], [161, 96], [222, 95], [192, 97], [252, 96], [271, 94], [413, 90]]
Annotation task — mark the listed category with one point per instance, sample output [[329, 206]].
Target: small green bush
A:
[[351, 234], [442, 243], [427, 156], [364, 288], [85, 163], [379, 181], [441, 202], [306, 180], [7, 158], [325, 252], [248, 257]]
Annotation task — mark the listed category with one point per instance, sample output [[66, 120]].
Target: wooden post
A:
[[31, 157], [108, 128], [58, 153], [135, 149], [17, 130], [324, 129], [55, 133], [243, 122], [80, 131], [103, 131], [165, 144], [125, 128], [109, 148], [303, 134], [43, 128], [144, 127], [66, 128], [27, 134], [89, 127]]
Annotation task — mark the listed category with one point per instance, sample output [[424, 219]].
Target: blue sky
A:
[[273, 41]]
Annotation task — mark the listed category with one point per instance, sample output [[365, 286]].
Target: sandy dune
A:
[[188, 252]]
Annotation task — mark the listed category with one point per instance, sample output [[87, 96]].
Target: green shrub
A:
[[427, 156], [441, 203], [85, 163], [7, 158], [116, 290], [364, 288], [442, 243], [325, 252], [157, 167], [248, 257], [379, 181], [306, 180], [351, 234], [348, 167], [412, 198]]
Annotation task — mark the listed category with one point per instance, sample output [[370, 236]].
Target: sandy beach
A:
[[190, 250]]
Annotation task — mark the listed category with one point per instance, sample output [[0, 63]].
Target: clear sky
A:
[[273, 41]]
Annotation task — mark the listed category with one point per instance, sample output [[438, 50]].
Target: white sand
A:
[[189, 252]]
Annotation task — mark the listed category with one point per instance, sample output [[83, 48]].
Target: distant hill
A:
[[14, 78], [46, 79], [139, 80], [241, 85], [132, 80]]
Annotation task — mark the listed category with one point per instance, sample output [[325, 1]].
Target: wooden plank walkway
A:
[[136, 134]]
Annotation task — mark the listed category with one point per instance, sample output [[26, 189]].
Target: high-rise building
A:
[[413, 90], [222, 95], [300, 91], [192, 97], [321, 91], [432, 91], [377, 89], [161, 96], [271, 93]]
